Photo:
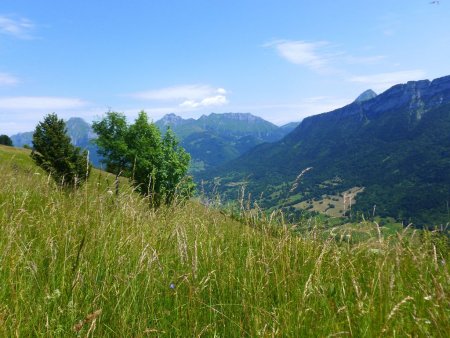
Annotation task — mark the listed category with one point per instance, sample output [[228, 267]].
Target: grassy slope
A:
[[65, 256]]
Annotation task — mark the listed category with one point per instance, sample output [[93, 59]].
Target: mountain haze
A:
[[396, 146]]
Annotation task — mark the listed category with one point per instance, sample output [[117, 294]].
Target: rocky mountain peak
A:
[[171, 119], [365, 96]]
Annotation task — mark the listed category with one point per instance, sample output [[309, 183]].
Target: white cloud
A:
[[308, 54], [383, 81], [40, 102], [218, 100], [188, 96], [19, 28], [8, 80]]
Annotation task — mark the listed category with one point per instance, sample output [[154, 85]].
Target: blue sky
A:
[[281, 60]]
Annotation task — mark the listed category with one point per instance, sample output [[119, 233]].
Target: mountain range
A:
[[385, 155], [382, 155], [211, 139], [215, 139]]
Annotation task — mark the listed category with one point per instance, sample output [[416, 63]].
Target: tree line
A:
[[155, 164]]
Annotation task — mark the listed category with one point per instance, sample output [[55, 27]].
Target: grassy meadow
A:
[[89, 263]]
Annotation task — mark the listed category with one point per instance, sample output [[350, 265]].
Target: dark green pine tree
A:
[[5, 140], [53, 152]]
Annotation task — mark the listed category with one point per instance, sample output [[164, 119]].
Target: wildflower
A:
[[172, 286]]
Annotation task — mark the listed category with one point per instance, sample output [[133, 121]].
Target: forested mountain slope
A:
[[395, 145]]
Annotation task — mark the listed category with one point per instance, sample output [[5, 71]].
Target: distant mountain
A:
[[365, 96], [79, 131], [217, 138], [22, 139], [287, 128], [389, 154]]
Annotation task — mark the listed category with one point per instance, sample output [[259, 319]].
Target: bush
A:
[[54, 153]]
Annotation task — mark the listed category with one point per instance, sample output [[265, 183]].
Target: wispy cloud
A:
[[20, 28], [383, 81], [309, 54], [8, 79], [320, 56], [40, 103], [188, 96]]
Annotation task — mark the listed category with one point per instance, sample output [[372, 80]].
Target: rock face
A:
[[396, 145]]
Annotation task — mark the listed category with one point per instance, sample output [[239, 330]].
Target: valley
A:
[[395, 145], [225, 169]]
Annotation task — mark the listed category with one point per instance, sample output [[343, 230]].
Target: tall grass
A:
[[90, 263]]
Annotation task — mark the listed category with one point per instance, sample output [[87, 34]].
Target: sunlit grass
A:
[[92, 263]]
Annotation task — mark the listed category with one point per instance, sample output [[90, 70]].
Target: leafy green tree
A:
[[112, 131], [53, 152], [145, 155], [5, 140], [174, 168], [111, 143], [156, 165]]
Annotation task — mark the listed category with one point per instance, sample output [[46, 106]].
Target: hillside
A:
[[91, 264], [395, 145], [215, 139]]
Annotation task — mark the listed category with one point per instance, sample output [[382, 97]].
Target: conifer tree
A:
[[53, 152], [5, 140]]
